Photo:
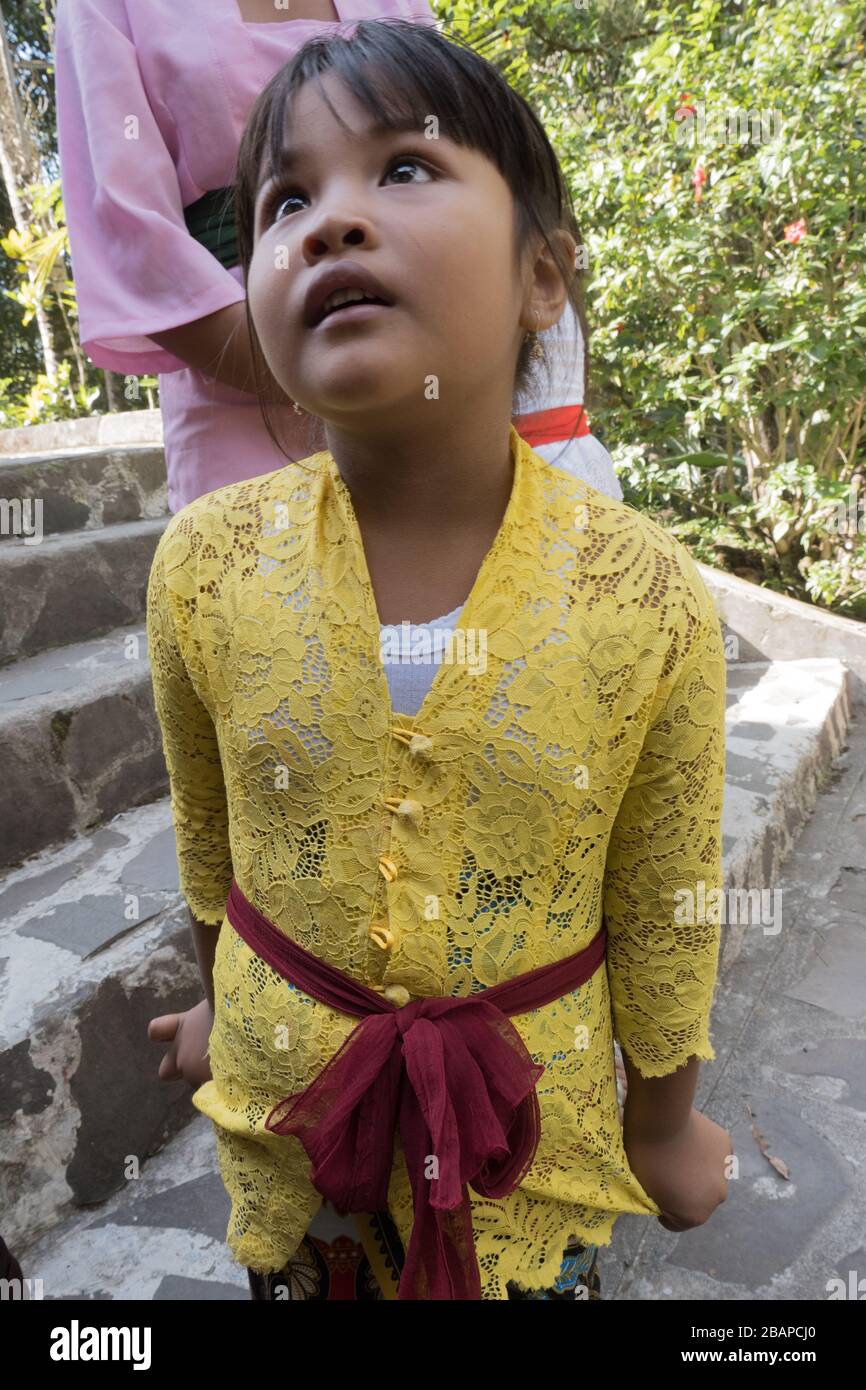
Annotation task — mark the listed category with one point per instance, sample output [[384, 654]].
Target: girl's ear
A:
[[547, 291]]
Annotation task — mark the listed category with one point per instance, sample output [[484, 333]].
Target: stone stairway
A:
[[94, 938]]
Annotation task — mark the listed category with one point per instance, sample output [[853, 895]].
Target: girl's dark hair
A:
[[401, 72]]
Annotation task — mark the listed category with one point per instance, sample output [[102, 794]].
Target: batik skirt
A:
[[362, 1257]]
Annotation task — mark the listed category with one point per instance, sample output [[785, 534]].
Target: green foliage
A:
[[47, 399], [727, 248], [29, 44], [36, 252], [42, 259]]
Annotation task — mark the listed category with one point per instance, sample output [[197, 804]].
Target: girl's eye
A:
[[405, 160], [280, 196], [273, 207]]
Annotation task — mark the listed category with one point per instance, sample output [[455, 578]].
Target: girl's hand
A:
[[188, 1035], [685, 1174]]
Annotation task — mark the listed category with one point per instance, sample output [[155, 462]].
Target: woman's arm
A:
[[136, 266], [219, 345]]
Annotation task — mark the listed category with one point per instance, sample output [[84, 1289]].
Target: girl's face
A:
[[434, 223]]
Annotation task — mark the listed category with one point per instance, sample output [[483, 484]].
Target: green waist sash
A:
[[211, 220]]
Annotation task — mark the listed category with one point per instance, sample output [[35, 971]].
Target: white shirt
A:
[[409, 681], [558, 381]]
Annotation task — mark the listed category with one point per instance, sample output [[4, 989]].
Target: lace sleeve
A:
[[664, 860], [198, 797]]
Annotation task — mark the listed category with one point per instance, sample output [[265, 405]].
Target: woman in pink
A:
[[152, 97]]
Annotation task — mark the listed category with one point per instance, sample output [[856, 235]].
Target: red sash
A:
[[452, 1073]]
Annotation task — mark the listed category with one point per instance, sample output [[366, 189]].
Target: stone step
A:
[[162, 1236], [118, 428], [83, 488], [79, 740], [71, 588], [787, 721], [96, 942]]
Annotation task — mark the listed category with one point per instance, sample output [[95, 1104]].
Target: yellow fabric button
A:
[[382, 935], [419, 744], [405, 806], [388, 867], [397, 994]]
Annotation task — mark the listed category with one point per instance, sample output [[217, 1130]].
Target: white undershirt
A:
[[409, 681]]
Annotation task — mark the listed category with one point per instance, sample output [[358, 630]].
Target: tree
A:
[[22, 174], [714, 151]]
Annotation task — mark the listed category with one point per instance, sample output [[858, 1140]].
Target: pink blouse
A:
[[152, 99]]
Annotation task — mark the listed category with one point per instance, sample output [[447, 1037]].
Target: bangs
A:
[[396, 94], [407, 78]]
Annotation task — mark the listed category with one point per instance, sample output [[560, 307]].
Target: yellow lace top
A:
[[566, 766]]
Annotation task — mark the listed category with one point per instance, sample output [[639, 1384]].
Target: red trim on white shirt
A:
[[551, 426]]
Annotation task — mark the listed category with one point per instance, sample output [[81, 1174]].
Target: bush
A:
[[715, 154]]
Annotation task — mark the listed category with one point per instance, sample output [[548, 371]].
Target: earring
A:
[[537, 351], [296, 408]]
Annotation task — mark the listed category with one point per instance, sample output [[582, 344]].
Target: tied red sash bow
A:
[[453, 1074]]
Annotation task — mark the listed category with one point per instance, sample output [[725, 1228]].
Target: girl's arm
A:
[[198, 798], [663, 869], [663, 874], [188, 1034], [205, 939], [679, 1156], [658, 1107], [192, 755]]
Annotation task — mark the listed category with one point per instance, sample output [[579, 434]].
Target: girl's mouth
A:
[[345, 283], [356, 312]]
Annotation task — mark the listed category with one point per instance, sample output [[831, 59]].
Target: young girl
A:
[[152, 97], [434, 907]]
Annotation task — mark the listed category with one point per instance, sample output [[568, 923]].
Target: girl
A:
[[435, 908], [151, 101]]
